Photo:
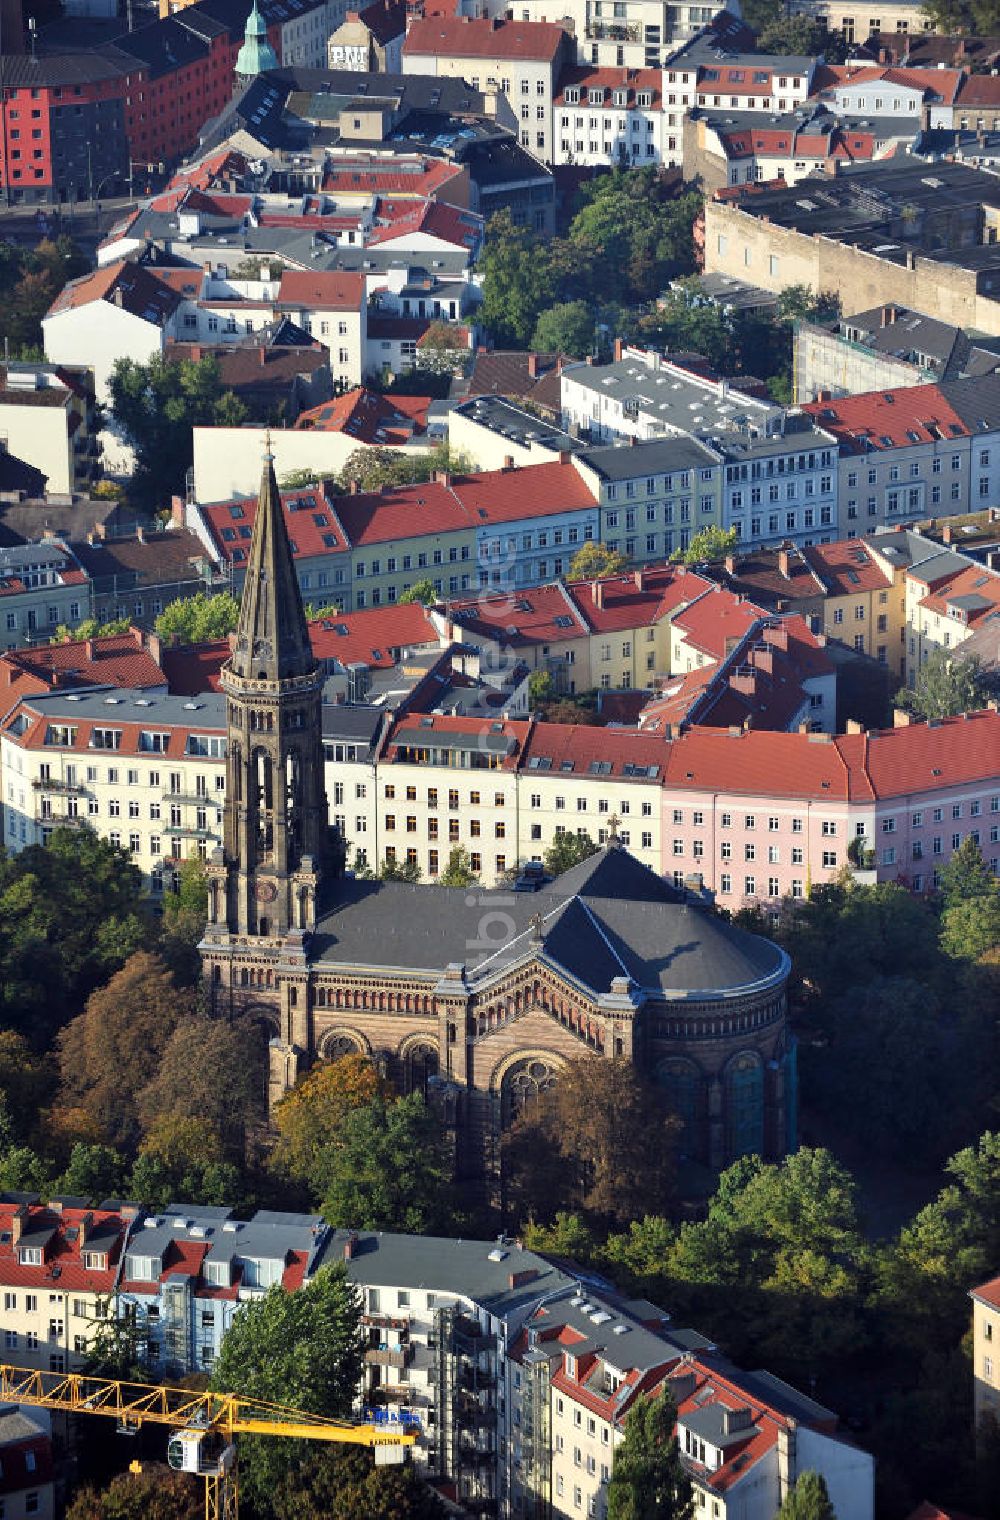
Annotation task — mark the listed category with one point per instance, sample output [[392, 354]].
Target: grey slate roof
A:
[[655, 457], [607, 918]]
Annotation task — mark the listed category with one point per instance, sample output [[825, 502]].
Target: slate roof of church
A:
[[608, 917]]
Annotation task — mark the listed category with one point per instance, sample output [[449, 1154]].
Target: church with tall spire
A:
[[607, 960]]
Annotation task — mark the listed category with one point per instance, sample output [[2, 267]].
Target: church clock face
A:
[[266, 891]]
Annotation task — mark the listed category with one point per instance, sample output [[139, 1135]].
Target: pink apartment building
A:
[[768, 815]]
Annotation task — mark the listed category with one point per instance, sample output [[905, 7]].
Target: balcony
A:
[[182, 831], [64, 821], [469, 1337], [471, 1414], [201, 799], [389, 1356], [613, 31], [385, 1322], [49, 784]]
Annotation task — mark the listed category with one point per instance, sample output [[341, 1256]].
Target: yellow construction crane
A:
[[204, 1423]]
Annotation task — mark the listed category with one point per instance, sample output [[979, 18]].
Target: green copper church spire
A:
[[256, 55]]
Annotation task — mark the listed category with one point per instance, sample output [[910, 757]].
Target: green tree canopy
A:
[[69, 917], [420, 591], [648, 1481], [966, 875], [302, 1350], [592, 561], [458, 872], [568, 850], [344, 1484], [157, 404], [807, 1499], [200, 619], [709, 546], [948, 683], [391, 1169], [565, 328], [30, 280], [372, 469], [518, 282], [309, 1119], [972, 928]]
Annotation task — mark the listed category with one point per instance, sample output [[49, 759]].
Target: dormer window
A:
[[217, 1273], [621, 97], [570, 1365], [95, 1261], [572, 95], [30, 1256], [644, 98]]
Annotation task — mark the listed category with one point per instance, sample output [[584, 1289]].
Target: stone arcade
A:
[[487, 993]]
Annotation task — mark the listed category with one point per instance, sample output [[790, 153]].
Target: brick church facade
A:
[[485, 994]]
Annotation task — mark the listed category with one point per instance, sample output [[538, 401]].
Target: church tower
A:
[[263, 882]]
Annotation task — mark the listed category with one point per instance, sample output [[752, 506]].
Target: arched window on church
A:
[[421, 1065], [744, 1107], [522, 1086], [682, 1089]]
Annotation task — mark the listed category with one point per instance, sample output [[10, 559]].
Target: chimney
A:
[[564, 456], [854, 727], [518, 1279], [177, 511], [508, 461], [89, 647], [140, 533], [155, 647], [442, 478], [640, 579], [730, 563], [900, 718], [597, 591], [207, 267], [117, 295], [86, 1229], [946, 534], [100, 530], [533, 366], [618, 350], [262, 352], [18, 1222], [803, 728], [784, 561], [350, 1246]]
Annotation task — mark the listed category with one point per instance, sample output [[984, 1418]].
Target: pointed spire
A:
[[272, 638]]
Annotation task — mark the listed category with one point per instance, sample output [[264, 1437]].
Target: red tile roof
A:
[[460, 37], [334, 290], [63, 1234], [118, 660], [607, 81], [311, 519], [846, 567], [437, 219], [536, 490], [758, 764], [889, 419], [576, 747], [988, 1293], [191, 669], [130, 286], [639, 598], [521, 618], [369, 417], [717, 620], [373, 636], [398, 177], [974, 582]]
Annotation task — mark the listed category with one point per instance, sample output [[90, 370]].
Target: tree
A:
[[112, 1051], [634, 233], [90, 628], [709, 546], [592, 561], [977, 18], [344, 1484], [94, 1172], [157, 404], [971, 928], [444, 348], [200, 619], [68, 918], [185, 910], [518, 281], [310, 1118], [946, 684], [966, 875], [371, 469], [155, 1493], [211, 1070], [27, 1081], [458, 872], [295, 480], [800, 37], [302, 1350], [30, 280], [568, 850], [541, 688], [648, 1481], [686, 320], [599, 1142], [565, 328], [399, 870], [807, 1499], [391, 1169], [420, 591]]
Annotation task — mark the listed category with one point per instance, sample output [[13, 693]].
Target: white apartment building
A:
[[614, 117], [523, 60], [633, 34]]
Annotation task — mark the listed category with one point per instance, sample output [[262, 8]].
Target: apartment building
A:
[[904, 454], [59, 1263], [521, 59], [41, 586], [612, 116], [119, 311], [50, 417], [27, 1468], [147, 772], [186, 1272], [768, 815], [883, 349], [654, 495], [985, 1343]]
